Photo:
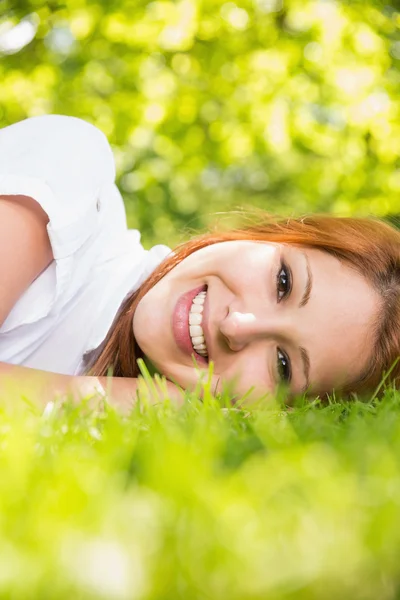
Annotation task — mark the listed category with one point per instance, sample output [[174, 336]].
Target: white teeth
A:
[[195, 328], [196, 308], [200, 347], [195, 318]]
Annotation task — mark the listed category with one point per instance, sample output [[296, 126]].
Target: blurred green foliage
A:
[[210, 105]]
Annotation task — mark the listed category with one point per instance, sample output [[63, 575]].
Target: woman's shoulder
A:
[[60, 161], [67, 167], [56, 138], [53, 124]]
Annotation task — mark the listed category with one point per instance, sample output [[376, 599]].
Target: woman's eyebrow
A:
[[306, 368], [308, 288], [305, 357]]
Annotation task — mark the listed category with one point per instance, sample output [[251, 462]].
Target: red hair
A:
[[370, 246]]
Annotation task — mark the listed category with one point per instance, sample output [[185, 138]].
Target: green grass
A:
[[200, 502]]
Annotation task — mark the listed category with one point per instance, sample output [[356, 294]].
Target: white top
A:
[[67, 166]]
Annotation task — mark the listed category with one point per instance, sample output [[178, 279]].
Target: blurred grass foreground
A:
[[201, 503], [291, 106]]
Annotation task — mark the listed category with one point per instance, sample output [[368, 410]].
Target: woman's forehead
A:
[[341, 317]]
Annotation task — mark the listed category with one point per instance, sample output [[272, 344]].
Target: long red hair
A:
[[370, 246]]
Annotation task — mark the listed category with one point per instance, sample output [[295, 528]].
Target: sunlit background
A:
[[211, 105]]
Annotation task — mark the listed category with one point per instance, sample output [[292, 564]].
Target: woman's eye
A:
[[284, 282], [284, 368]]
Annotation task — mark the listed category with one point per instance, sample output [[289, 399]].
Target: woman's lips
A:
[[180, 323]]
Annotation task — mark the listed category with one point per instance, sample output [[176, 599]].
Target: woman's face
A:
[[269, 313]]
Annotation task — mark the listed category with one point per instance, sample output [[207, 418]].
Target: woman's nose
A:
[[239, 329]]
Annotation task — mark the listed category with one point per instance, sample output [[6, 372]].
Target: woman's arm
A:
[[42, 387], [25, 248], [25, 253]]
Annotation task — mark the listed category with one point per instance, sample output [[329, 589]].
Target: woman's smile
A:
[[188, 321], [196, 324]]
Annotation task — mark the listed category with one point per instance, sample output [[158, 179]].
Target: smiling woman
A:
[[304, 302], [313, 303], [264, 323]]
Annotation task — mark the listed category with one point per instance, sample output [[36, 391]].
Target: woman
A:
[[312, 303]]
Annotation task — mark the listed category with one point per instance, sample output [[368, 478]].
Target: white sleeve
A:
[[63, 163]]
